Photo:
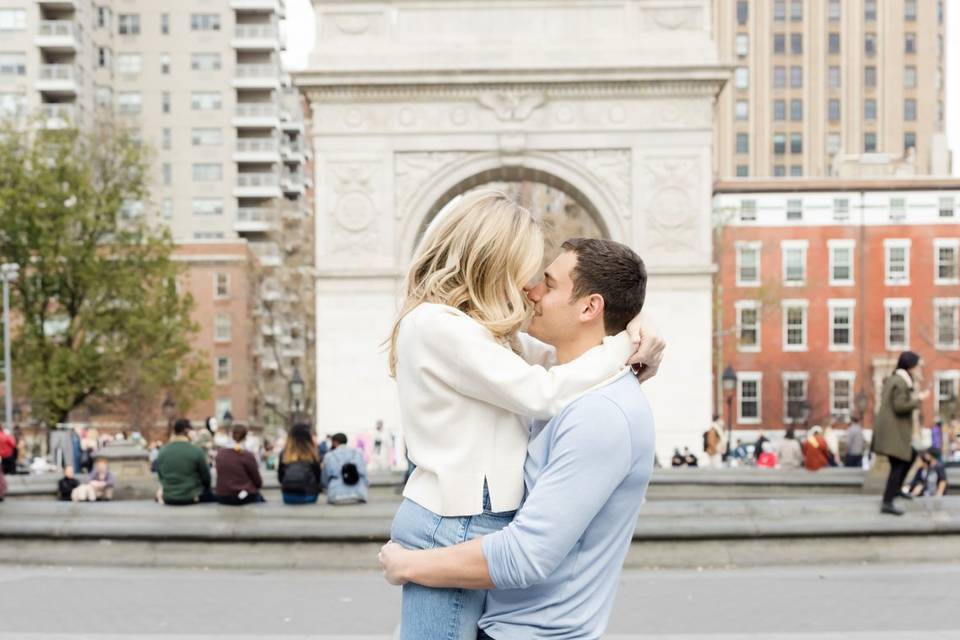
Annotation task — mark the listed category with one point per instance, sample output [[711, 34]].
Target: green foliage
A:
[[100, 315]]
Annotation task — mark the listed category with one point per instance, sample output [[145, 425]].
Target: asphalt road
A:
[[832, 603]]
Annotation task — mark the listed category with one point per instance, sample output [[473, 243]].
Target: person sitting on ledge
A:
[[182, 469], [238, 474], [344, 473], [99, 485], [299, 467], [67, 485]]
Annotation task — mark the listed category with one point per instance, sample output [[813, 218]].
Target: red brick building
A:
[[820, 286]]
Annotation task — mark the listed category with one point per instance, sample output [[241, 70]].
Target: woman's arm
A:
[[902, 400]]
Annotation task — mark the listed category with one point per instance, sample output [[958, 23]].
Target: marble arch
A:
[[414, 100]]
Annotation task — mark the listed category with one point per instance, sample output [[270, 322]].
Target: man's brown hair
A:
[[615, 272]]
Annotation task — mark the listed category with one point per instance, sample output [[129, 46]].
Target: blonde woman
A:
[[468, 381]]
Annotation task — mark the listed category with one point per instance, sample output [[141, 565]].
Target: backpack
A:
[[300, 477], [349, 474]]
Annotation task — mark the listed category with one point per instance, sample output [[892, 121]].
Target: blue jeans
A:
[[441, 614], [299, 498]]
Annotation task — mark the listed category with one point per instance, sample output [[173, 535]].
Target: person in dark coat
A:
[[238, 474], [299, 468], [893, 434]]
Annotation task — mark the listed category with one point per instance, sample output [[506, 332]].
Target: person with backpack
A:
[[344, 473], [299, 467]]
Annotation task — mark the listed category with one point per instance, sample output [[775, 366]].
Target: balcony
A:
[[66, 5], [295, 348], [268, 364], [58, 35], [293, 182], [256, 115], [293, 152], [257, 185], [59, 78], [254, 220], [256, 76], [256, 37], [59, 116], [276, 6], [291, 120]]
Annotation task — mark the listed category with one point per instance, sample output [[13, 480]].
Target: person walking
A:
[[298, 470], [238, 473], [893, 433], [853, 458]]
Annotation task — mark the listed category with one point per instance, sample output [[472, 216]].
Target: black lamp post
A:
[[227, 420], [296, 393], [729, 379], [169, 412]]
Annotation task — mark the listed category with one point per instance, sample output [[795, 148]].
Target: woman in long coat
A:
[[893, 434]]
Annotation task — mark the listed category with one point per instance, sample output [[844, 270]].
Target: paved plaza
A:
[[840, 602]]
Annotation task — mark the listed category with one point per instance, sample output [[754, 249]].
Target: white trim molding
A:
[[896, 280], [749, 376], [946, 243], [851, 245], [795, 303], [758, 247], [849, 376], [833, 304], [888, 305]]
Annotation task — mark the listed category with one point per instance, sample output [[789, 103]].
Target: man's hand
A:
[[649, 354], [391, 558]]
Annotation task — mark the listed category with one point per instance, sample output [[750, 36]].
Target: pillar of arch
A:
[[414, 101]]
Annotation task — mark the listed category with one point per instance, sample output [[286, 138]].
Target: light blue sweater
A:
[[558, 564]]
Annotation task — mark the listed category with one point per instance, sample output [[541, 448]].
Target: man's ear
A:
[[592, 307]]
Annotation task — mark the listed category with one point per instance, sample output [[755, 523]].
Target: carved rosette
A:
[[612, 168], [354, 211], [411, 172], [671, 208]]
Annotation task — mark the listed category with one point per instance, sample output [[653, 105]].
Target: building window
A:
[[870, 44], [779, 10], [794, 325], [870, 10], [13, 64], [947, 206], [910, 10], [841, 393], [742, 143], [796, 171], [206, 137], [205, 22], [947, 390], [779, 43], [128, 24], [12, 104], [794, 210], [129, 102], [779, 77], [103, 57], [833, 110], [205, 62], [743, 45], [748, 397], [223, 405], [742, 110], [165, 64], [796, 10], [869, 142], [742, 12], [870, 109], [910, 110], [796, 43], [779, 110], [796, 77], [898, 209], [223, 369], [221, 328], [748, 264], [794, 253], [221, 285], [779, 144], [742, 78], [833, 77], [13, 20], [794, 394], [833, 141], [103, 17], [166, 139], [841, 262], [833, 43], [167, 174], [841, 324], [833, 10], [165, 102], [909, 43], [165, 24], [946, 251], [207, 206], [946, 312], [910, 77], [796, 110], [128, 63], [748, 325], [748, 211], [206, 100], [779, 171], [909, 141], [870, 76], [897, 261], [166, 208], [898, 323], [743, 171], [796, 143], [208, 235], [207, 172]]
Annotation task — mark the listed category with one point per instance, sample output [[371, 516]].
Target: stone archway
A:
[[412, 102]]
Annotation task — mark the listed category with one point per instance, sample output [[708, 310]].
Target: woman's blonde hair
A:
[[477, 258]]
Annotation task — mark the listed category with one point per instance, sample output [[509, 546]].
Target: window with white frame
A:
[[13, 20], [794, 262], [207, 171], [221, 285], [748, 325], [205, 61], [841, 324], [206, 100], [841, 262], [221, 328], [129, 102], [128, 63], [223, 369], [748, 397], [898, 209], [13, 64], [794, 393], [223, 405], [207, 206], [897, 261], [946, 389], [206, 137], [748, 264], [205, 22], [128, 24], [794, 209], [945, 251], [946, 316], [947, 206], [897, 330], [795, 325], [841, 393], [166, 208], [748, 211], [741, 78]]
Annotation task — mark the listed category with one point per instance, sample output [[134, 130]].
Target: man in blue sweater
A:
[[553, 572]]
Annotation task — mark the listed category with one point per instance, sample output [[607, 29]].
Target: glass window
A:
[[206, 137], [833, 10], [779, 77], [13, 19], [221, 328], [796, 43], [165, 24], [223, 369], [946, 255], [742, 12], [128, 24], [130, 102], [796, 110], [779, 43], [166, 208], [796, 170], [12, 104], [205, 22], [897, 262], [794, 394], [779, 110], [207, 172], [167, 139], [870, 10], [743, 171], [779, 144], [205, 62], [910, 10], [946, 314], [742, 143], [841, 261], [910, 77], [221, 285], [165, 63], [794, 264], [779, 171], [748, 325], [13, 64], [742, 110], [207, 206], [870, 44], [795, 327], [870, 76], [748, 264], [165, 102], [833, 77], [909, 43], [742, 78], [794, 210], [748, 397], [796, 10], [167, 174], [909, 141], [796, 143], [841, 209], [947, 206], [743, 44], [206, 100], [898, 208], [841, 325], [796, 77], [748, 211], [779, 10], [870, 109], [833, 110], [833, 43], [869, 142], [128, 63], [833, 141], [841, 394], [898, 324]]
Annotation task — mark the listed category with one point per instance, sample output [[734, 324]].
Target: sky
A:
[[300, 29]]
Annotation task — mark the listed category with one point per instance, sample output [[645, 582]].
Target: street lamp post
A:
[[729, 384], [169, 412], [296, 393], [9, 272]]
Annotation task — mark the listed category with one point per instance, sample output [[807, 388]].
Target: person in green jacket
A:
[[893, 435], [183, 469]]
